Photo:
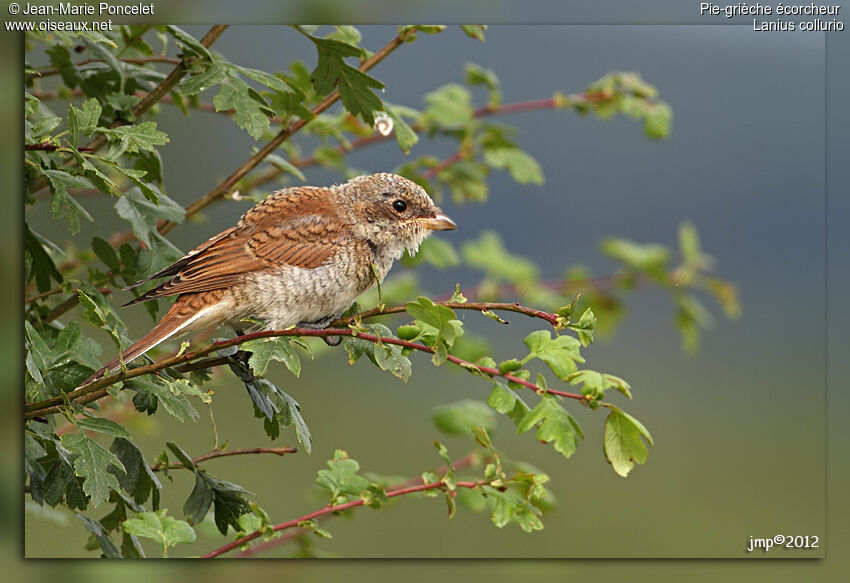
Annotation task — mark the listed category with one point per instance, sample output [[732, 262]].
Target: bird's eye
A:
[[399, 205]]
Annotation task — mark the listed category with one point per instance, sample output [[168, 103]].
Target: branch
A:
[[56, 290], [558, 102], [281, 451], [553, 319], [258, 548], [227, 185], [333, 509], [98, 389], [47, 146]]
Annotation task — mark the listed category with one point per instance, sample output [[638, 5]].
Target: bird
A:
[[300, 257]]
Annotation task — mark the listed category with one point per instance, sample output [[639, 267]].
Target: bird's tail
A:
[[178, 319]]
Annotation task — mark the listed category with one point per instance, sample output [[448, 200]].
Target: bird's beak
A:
[[438, 222]]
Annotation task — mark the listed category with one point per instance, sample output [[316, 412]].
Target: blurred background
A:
[[739, 427]]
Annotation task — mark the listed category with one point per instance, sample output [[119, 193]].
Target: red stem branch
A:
[[330, 509]]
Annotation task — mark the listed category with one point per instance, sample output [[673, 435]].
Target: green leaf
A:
[[92, 463], [355, 87], [264, 350], [622, 441], [159, 527], [554, 425], [228, 499], [143, 214], [106, 253], [342, 479], [62, 204], [249, 107], [138, 480], [475, 31], [43, 268], [175, 403], [448, 107], [522, 167], [437, 316], [212, 75], [649, 258], [102, 425], [189, 43], [404, 134], [658, 121], [460, 417], [477, 75], [689, 244], [110, 551], [560, 353], [133, 138], [599, 382], [286, 166]]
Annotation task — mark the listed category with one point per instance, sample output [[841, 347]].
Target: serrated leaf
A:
[[560, 353], [188, 42], [92, 463], [102, 425], [133, 138], [138, 479], [175, 403], [341, 478], [355, 86], [143, 214], [554, 425], [212, 75], [249, 107], [62, 204], [264, 350]]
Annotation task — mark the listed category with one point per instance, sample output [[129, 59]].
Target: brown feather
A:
[[296, 227]]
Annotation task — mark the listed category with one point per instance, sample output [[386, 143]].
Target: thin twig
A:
[[281, 451], [337, 508], [48, 147], [294, 533]]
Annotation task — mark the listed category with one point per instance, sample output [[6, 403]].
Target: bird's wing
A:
[[297, 227]]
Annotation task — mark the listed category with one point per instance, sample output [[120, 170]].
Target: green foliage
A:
[[623, 444], [108, 143], [165, 530]]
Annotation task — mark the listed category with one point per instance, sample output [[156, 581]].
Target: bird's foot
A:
[[321, 325]]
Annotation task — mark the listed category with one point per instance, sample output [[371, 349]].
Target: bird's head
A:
[[391, 211]]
